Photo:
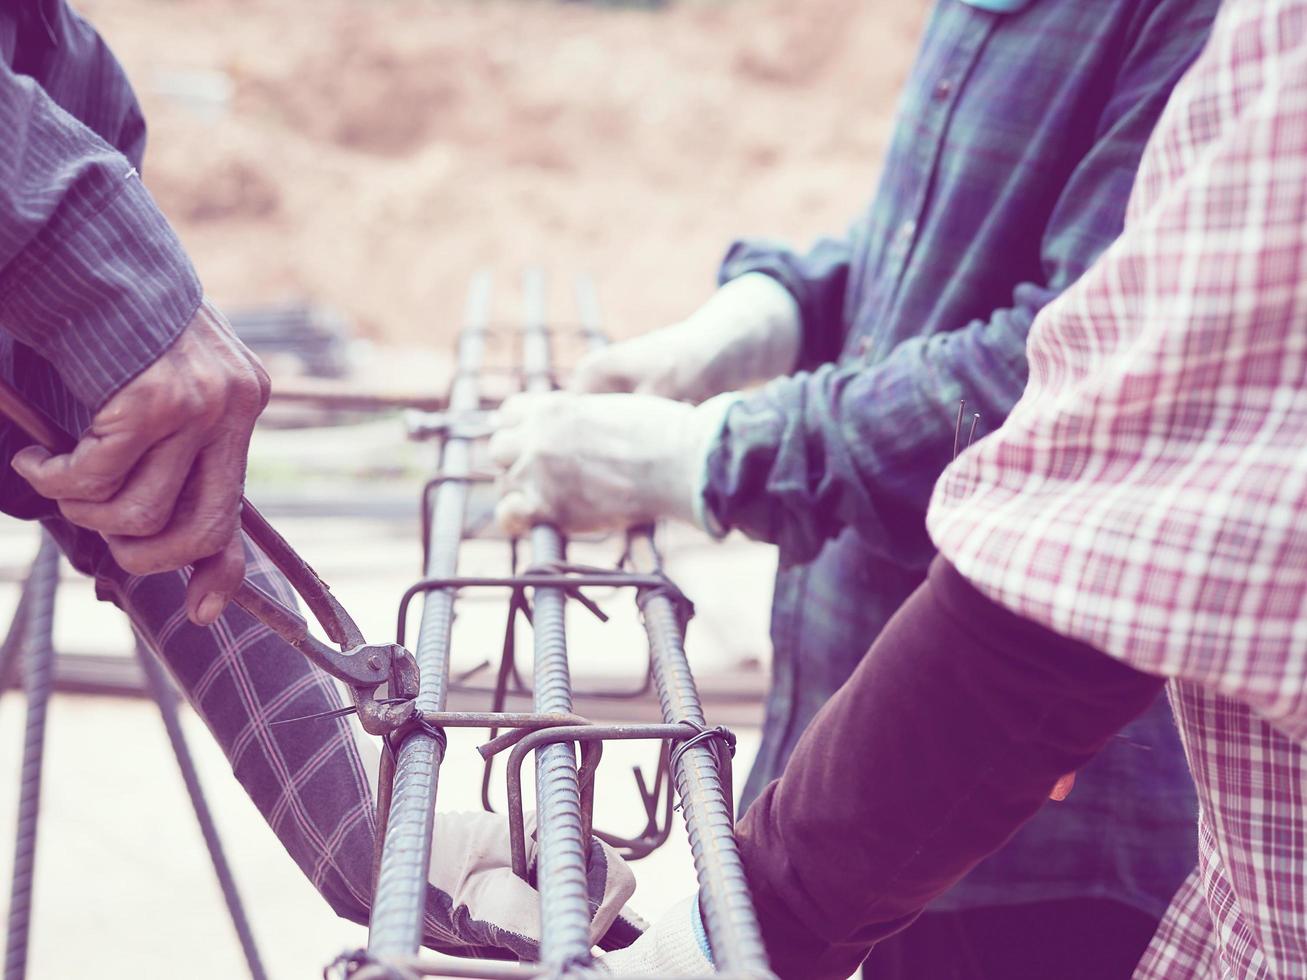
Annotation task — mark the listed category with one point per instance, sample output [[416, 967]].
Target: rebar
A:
[[399, 900], [35, 644], [166, 697], [708, 811], [561, 852], [698, 768]]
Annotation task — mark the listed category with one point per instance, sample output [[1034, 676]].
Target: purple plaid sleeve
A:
[[259, 697], [91, 275], [1147, 494]]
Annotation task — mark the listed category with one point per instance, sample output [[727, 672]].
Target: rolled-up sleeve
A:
[[817, 279], [92, 277]]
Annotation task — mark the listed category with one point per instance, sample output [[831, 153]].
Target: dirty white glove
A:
[[674, 946], [749, 331], [484, 906], [603, 462]]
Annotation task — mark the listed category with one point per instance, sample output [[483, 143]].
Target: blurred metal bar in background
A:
[[31, 643], [166, 697]]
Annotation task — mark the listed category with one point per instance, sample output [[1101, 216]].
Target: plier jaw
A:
[[362, 666], [384, 716]]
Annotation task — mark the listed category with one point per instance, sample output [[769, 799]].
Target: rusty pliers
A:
[[362, 666]]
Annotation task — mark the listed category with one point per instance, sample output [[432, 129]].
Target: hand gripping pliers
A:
[[362, 666]]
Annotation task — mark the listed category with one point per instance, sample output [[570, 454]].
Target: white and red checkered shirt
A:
[[1148, 495]]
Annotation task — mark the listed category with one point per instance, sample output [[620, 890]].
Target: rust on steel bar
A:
[[397, 905], [562, 850], [728, 913]]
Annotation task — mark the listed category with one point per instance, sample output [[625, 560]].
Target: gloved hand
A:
[[674, 946], [749, 331], [602, 462], [491, 908]]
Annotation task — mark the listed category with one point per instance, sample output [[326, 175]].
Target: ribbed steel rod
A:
[[397, 905], [561, 852], [724, 899], [165, 696], [36, 650]]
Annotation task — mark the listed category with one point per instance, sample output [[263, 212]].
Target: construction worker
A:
[[1139, 518], [104, 327], [1016, 144]]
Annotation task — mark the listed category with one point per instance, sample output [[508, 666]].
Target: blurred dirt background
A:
[[369, 156]]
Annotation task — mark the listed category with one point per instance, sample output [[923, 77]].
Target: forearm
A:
[[91, 275], [862, 445], [816, 279], [947, 738]]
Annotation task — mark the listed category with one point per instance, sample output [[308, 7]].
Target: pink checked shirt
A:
[[1148, 495]]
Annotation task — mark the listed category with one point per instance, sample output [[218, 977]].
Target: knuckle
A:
[[138, 519], [264, 383], [213, 534], [96, 487], [134, 561]]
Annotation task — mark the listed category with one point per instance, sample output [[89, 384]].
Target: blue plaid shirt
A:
[[1016, 145]]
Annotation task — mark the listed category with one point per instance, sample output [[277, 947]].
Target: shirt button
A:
[[864, 345], [907, 229], [943, 89]]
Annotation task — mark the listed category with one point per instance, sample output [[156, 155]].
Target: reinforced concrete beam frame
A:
[[700, 767]]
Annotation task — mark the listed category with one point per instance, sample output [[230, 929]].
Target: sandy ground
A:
[[371, 156]]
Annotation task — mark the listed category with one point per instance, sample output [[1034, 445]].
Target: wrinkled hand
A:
[[600, 462], [160, 472], [747, 332], [471, 862]]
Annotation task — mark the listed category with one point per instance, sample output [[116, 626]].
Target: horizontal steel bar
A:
[[615, 579]]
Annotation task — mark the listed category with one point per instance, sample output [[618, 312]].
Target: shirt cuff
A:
[[102, 291], [713, 413]]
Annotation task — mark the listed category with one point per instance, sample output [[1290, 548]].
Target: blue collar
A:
[[999, 6]]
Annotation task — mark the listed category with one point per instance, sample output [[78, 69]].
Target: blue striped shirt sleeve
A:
[[92, 277]]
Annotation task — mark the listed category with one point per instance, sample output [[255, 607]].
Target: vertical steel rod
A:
[[561, 855], [397, 906], [724, 899], [165, 696], [36, 649]]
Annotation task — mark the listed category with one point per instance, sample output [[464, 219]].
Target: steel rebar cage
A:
[[694, 754]]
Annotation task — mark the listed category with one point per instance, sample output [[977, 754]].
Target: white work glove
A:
[[749, 331], [491, 908], [674, 946], [603, 462]]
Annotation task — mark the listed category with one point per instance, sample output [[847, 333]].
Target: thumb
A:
[[516, 511], [214, 581], [27, 461]]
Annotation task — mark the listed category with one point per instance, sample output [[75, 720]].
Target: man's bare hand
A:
[[160, 472]]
